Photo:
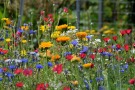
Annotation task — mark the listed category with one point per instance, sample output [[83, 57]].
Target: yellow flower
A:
[[24, 41], [71, 27], [81, 34], [45, 45], [46, 54], [109, 32], [23, 52], [55, 57], [92, 32], [4, 19], [44, 28], [63, 39], [75, 58], [55, 35], [104, 28], [8, 40], [60, 27], [24, 27], [87, 65], [7, 20], [74, 82]]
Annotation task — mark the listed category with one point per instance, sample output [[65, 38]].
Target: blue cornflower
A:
[[106, 54], [98, 79], [101, 88], [122, 70], [125, 66], [20, 30], [32, 32], [50, 64], [24, 60], [86, 85], [39, 66], [8, 74], [1, 70], [1, 39], [74, 42], [89, 37], [12, 67], [1, 79], [85, 49]]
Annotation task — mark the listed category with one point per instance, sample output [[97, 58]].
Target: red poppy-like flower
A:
[[19, 84], [82, 55], [65, 9], [27, 72], [118, 46], [4, 51], [66, 88], [18, 71], [128, 31], [42, 13], [92, 56], [132, 81], [58, 68], [106, 39], [42, 86], [69, 57], [114, 38], [126, 47], [46, 19], [50, 15], [123, 32], [4, 69]]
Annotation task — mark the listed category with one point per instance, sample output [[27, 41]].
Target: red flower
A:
[[123, 32], [69, 57], [82, 55], [132, 59], [118, 58], [92, 56], [114, 38], [18, 71], [106, 39], [118, 46], [66, 88], [65, 9], [50, 16], [40, 86], [4, 69], [46, 19], [19, 84], [134, 45], [128, 31], [126, 47], [42, 13], [27, 72], [4, 51], [132, 81], [58, 68]]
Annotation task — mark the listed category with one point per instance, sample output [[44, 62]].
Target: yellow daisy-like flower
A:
[[4, 19], [87, 65], [75, 58], [81, 34], [60, 27], [109, 32], [63, 39], [44, 28], [55, 35], [71, 27], [24, 27], [45, 45], [74, 82], [7, 20], [8, 40], [24, 41], [23, 52]]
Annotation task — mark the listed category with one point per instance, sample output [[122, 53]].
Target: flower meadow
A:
[[50, 56]]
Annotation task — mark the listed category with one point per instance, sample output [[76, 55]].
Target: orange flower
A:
[[88, 65], [55, 57], [24, 27], [45, 45], [81, 34], [46, 54], [60, 27], [63, 39]]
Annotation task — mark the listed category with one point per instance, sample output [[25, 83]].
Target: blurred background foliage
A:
[[115, 12]]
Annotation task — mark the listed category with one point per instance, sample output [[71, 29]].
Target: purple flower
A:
[[84, 50], [89, 37], [24, 60], [39, 66], [50, 64]]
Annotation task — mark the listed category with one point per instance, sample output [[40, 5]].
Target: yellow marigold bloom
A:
[[63, 39], [87, 65], [74, 82], [75, 58], [24, 27], [7, 20], [24, 41], [45, 45], [23, 52], [55, 57], [81, 34], [8, 40], [71, 27], [109, 32], [60, 27], [44, 28]]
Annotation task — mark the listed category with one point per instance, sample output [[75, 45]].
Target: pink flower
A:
[[132, 81], [65, 9], [27, 72]]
